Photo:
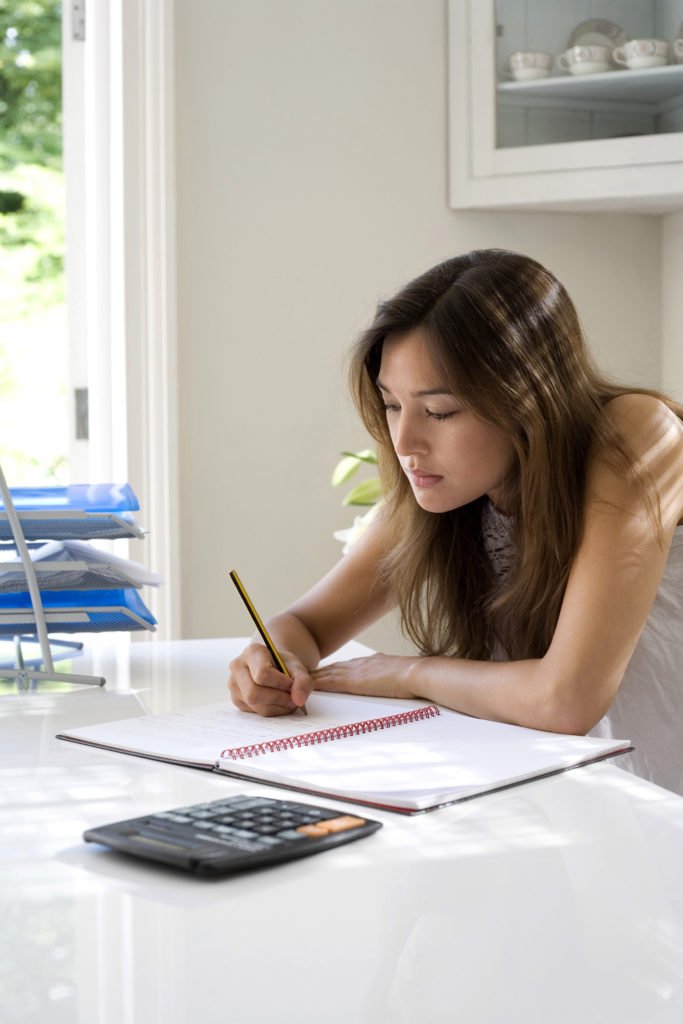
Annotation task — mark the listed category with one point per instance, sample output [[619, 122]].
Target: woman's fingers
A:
[[256, 693], [301, 683], [256, 685]]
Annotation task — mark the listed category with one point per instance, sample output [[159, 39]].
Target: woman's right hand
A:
[[256, 685]]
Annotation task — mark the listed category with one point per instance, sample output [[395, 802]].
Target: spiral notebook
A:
[[400, 755]]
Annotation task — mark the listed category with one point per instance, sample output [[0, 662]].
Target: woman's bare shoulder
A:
[[652, 437], [638, 417]]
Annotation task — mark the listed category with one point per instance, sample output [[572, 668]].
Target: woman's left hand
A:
[[380, 675]]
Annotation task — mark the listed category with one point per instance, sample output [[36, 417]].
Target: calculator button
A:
[[248, 804], [290, 834], [341, 824], [242, 833], [314, 831], [226, 832]]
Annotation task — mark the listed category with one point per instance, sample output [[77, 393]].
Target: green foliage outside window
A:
[[31, 213], [31, 81], [32, 310]]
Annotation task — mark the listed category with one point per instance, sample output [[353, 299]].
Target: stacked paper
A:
[[74, 565]]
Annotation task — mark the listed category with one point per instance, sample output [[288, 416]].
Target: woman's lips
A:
[[421, 479]]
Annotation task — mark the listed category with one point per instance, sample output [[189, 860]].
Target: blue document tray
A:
[[76, 512], [76, 611], [75, 497], [52, 525]]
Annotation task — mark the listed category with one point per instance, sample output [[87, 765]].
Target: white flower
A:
[[360, 524]]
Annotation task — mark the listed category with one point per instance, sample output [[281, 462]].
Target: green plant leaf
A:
[[367, 455], [366, 493], [345, 469]]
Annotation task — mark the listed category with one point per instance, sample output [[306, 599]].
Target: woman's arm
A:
[[346, 601], [609, 595]]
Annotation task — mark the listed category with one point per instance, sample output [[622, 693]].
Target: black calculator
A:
[[233, 834]]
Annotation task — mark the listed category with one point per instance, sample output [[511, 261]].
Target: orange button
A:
[[312, 830], [341, 824]]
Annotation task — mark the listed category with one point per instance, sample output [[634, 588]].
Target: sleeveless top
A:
[[648, 706]]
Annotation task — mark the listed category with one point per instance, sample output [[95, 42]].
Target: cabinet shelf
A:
[[646, 89]]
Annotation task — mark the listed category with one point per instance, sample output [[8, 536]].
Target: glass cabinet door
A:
[[575, 70], [566, 104]]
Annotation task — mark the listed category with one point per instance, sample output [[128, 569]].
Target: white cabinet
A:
[[609, 139]]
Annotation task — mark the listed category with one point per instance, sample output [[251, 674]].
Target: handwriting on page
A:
[[218, 726], [222, 726], [200, 735]]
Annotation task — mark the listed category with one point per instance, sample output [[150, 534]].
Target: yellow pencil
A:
[[274, 653]]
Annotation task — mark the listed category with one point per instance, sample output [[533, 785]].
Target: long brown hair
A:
[[503, 333]]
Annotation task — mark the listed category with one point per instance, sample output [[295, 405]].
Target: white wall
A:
[[311, 173], [672, 304]]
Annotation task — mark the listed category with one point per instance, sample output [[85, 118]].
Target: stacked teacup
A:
[[642, 53], [528, 64], [585, 60]]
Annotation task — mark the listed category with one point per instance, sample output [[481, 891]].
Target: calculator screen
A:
[[157, 842]]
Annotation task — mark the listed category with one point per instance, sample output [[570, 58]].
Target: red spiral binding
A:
[[326, 735]]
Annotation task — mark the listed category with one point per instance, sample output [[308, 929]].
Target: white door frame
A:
[[121, 264]]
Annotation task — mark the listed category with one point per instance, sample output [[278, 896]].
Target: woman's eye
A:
[[390, 408], [440, 416]]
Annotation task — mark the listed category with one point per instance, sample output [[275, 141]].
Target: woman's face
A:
[[450, 456]]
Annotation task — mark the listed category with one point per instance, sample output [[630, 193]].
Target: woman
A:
[[531, 533]]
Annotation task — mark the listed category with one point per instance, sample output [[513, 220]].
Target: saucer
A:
[[597, 32]]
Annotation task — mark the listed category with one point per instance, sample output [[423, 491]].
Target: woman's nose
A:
[[408, 438]]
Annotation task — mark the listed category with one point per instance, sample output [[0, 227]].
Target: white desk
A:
[[560, 902]]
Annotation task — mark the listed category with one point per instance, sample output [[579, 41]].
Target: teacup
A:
[[678, 50], [527, 64], [585, 60], [642, 53]]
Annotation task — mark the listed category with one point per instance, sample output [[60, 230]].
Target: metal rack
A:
[[24, 673]]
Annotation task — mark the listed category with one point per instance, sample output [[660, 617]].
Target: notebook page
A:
[[425, 763], [199, 735]]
